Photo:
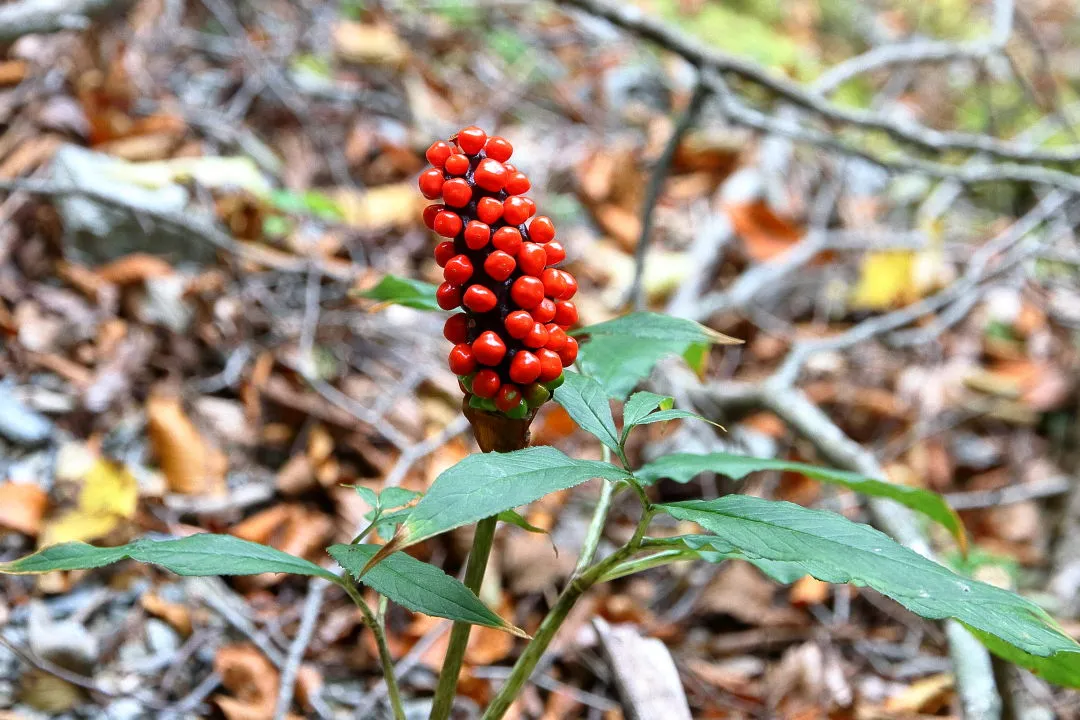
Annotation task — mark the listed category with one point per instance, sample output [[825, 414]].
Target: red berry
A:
[[461, 359], [438, 152], [527, 292], [556, 337], [554, 282], [456, 328], [565, 313], [515, 210], [448, 296], [456, 192], [472, 139], [498, 148], [490, 175], [486, 383], [489, 349], [531, 259], [479, 299], [499, 265], [519, 324], [541, 229], [524, 368], [517, 183], [507, 239], [545, 311], [555, 252], [477, 234], [443, 252], [457, 164], [431, 182], [447, 224], [571, 286], [429, 215], [458, 270], [537, 337], [530, 206], [488, 209], [569, 352], [510, 167], [509, 397], [551, 365]]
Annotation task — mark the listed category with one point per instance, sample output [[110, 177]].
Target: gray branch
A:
[[48, 16]]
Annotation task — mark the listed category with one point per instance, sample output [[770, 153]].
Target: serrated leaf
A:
[[683, 467], [833, 549], [587, 404], [418, 586], [367, 494], [641, 404], [404, 291], [657, 326], [196, 555], [484, 485], [622, 352]]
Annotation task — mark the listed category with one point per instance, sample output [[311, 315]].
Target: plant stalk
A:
[[385, 659], [578, 585], [459, 634]]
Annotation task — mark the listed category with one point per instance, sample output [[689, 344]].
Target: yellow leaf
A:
[[110, 489], [379, 208], [109, 495], [885, 280]]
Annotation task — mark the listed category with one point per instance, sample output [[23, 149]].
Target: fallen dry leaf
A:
[[927, 695], [109, 495], [191, 466], [176, 614], [22, 507], [765, 235], [369, 44], [133, 268]]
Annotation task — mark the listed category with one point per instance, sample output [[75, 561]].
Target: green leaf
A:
[[587, 404], [513, 517], [404, 291], [836, 550], [368, 495], [483, 485], [657, 326], [395, 497], [418, 586], [623, 351], [683, 467], [204, 554], [641, 404]]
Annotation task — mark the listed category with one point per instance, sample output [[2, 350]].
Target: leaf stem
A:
[[578, 585], [459, 635], [385, 659], [596, 525]]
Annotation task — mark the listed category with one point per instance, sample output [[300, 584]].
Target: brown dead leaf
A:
[[740, 590], [133, 268], [369, 44], [382, 207], [809, 591], [13, 72], [176, 614], [190, 464], [927, 695], [488, 646], [251, 679], [765, 235], [296, 476], [29, 156], [22, 507], [308, 683], [621, 224]]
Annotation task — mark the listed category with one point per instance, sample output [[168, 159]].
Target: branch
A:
[[48, 16], [707, 58], [656, 184]]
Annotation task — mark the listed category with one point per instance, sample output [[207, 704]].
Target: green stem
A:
[[385, 659], [578, 585], [636, 565], [459, 635], [596, 527]]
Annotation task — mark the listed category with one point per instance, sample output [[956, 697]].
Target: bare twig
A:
[[49, 16], [1050, 487], [707, 57], [312, 605], [656, 185]]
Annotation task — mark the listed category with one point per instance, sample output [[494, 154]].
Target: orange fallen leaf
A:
[[190, 464], [809, 591], [13, 72], [765, 235], [22, 507], [133, 268], [176, 614]]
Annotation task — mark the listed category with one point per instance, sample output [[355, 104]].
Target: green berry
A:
[[556, 383], [519, 412], [478, 403], [467, 380], [536, 395]]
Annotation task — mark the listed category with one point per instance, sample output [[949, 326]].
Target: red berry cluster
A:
[[498, 260]]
